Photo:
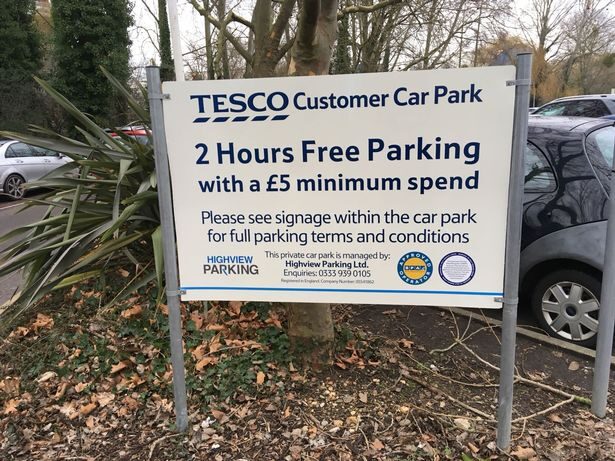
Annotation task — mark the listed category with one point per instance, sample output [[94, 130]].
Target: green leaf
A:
[[158, 255]]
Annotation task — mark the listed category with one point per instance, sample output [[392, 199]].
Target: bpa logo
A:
[[415, 268], [219, 108]]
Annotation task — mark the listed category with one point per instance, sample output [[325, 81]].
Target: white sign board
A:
[[386, 188]]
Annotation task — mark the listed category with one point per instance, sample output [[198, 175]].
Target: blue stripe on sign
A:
[[201, 120], [260, 118], [241, 118], [220, 119], [280, 117], [349, 290]]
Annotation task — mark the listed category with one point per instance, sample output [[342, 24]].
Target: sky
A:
[[191, 27]]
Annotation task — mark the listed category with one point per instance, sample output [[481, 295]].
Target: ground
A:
[[82, 381]]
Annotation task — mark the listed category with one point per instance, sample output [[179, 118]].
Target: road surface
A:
[[10, 219]]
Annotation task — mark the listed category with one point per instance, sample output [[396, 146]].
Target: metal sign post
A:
[[513, 250], [604, 346], [168, 244]]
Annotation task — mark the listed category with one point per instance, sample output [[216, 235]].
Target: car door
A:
[[51, 159], [540, 187], [25, 161]]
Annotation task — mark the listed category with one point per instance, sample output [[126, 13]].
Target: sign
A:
[[386, 188]]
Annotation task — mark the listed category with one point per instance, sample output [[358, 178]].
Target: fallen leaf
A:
[[119, 366], [131, 403], [199, 352], [42, 321], [260, 378], [204, 362], [87, 409], [10, 386], [123, 272], [10, 407], [217, 414], [164, 309], [90, 422], [69, 410], [377, 445], [555, 418], [524, 452], [363, 397], [61, 391], [341, 365], [132, 312], [79, 387], [197, 318], [46, 376], [406, 343], [235, 307], [463, 423], [215, 327], [104, 398]]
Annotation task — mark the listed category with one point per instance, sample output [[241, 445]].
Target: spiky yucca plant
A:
[[102, 209]]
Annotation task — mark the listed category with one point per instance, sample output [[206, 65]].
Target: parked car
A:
[[137, 132], [592, 105], [567, 169], [22, 163]]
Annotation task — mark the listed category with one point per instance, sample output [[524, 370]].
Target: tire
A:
[[566, 304], [13, 186]]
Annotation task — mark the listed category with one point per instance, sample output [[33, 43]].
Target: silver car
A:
[[22, 163]]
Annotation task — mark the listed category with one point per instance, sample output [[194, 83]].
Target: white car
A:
[[22, 163]]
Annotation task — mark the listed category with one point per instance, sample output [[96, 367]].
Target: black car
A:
[[567, 169], [591, 105]]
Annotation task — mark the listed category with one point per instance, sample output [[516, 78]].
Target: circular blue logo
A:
[[457, 268], [414, 268]]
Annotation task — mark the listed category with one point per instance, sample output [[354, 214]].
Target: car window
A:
[[42, 152], [602, 143], [539, 176], [18, 149], [587, 108], [557, 108]]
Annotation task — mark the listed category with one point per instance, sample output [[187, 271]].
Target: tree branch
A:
[[222, 28], [366, 8], [286, 11]]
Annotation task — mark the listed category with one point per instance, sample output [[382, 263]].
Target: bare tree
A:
[[589, 42]]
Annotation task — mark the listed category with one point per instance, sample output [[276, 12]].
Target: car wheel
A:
[[566, 304], [13, 186]]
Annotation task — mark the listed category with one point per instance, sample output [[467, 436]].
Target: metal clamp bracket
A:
[[176, 292], [500, 299], [519, 82], [160, 96]]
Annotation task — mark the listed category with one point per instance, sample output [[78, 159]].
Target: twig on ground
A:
[[453, 399], [156, 442], [448, 378], [521, 379], [457, 341], [545, 411]]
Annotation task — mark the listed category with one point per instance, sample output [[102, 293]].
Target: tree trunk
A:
[[167, 71], [209, 49], [310, 326]]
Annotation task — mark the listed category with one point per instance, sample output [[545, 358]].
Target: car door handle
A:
[[18, 161], [47, 161]]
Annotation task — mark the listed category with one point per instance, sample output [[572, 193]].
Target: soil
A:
[[408, 383]]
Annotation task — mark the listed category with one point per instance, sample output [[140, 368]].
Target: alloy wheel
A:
[[571, 311], [14, 186]]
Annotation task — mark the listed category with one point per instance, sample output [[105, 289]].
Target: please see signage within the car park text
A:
[[376, 188]]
